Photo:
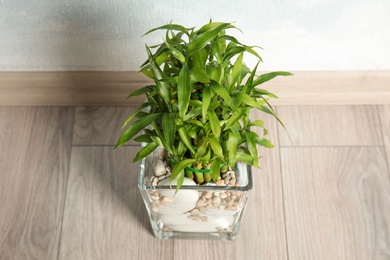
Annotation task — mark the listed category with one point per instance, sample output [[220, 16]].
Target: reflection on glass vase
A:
[[207, 211]]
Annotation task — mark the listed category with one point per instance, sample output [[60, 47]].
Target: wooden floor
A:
[[323, 193]]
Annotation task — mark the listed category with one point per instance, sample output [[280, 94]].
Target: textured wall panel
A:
[[106, 35]]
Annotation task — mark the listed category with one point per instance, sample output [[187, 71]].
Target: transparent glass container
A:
[[196, 211]]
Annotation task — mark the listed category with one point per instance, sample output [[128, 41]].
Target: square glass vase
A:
[[203, 211]]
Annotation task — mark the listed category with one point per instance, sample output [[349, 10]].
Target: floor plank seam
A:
[[283, 197], [66, 190], [332, 146], [103, 145], [383, 141]]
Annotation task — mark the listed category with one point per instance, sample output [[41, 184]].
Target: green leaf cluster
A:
[[199, 105]]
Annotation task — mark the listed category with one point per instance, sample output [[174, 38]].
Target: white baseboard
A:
[[111, 88]]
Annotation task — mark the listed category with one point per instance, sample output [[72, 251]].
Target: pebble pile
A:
[[192, 210]]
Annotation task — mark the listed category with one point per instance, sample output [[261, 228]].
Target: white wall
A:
[[106, 34]]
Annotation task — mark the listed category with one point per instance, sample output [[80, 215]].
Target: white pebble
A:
[[230, 172], [201, 203], [208, 195], [154, 197], [220, 183], [175, 208], [162, 177], [183, 201], [158, 167], [216, 200], [165, 201], [182, 195], [223, 195], [204, 226]]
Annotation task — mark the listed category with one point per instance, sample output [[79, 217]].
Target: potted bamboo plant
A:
[[198, 140]]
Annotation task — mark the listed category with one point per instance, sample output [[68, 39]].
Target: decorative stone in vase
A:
[[195, 211]]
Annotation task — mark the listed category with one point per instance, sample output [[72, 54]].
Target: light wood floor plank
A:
[[104, 214], [337, 203], [384, 112], [330, 126], [262, 234], [100, 125], [36, 144]]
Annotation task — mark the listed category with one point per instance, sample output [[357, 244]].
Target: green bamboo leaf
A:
[[174, 27], [245, 71], [257, 123], [203, 39], [163, 87], [216, 147], [180, 180], [221, 46], [253, 52], [221, 91], [195, 103], [201, 151], [185, 138], [145, 151], [172, 71], [161, 138], [179, 167], [215, 73], [159, 142], [172, 79], [161, 50], [212, 25], [181, 149], [232, 146], [251, 141], [194, 122], [176, 53], [229, 38], [265, 142], [169, 128], [147, 72], [141, 91], [160, 59], [268, 76], [214, 102], [237, 68], [246, 99], [200, 75], [216, 52], [135, 128], [206, 158], [184, 91], [199, 58], [266, 110], [206, 99], [263, 92], [245, 158], [143, 138], [266, 102], [191, 131], [216, 169], [194, 112], [234, 118], [214, 123], [136, 112], [232, 51], [249, 83]]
